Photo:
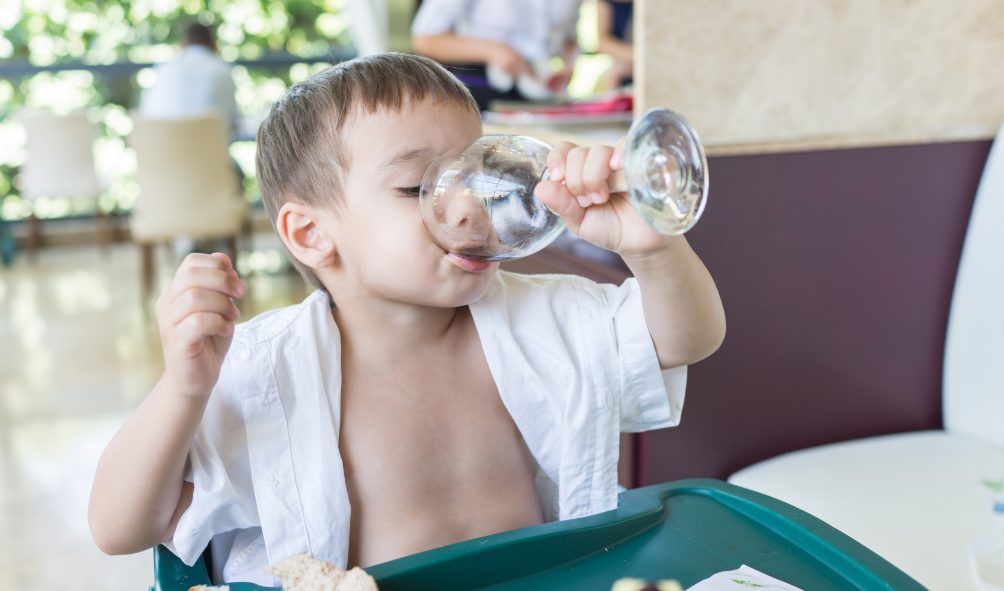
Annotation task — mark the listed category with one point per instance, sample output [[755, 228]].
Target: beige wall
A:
[[824, 72]]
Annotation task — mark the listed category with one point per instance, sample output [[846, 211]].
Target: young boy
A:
[[417, 398]]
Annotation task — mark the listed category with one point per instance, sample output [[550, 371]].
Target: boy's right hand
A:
[[196, 317]]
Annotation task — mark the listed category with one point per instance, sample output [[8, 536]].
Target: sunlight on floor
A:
[[79, 352]]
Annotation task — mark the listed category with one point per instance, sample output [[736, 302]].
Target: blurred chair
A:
[[187, 187], [60, 164], [923, 500]]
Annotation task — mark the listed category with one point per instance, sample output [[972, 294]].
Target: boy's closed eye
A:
[[409, 191]]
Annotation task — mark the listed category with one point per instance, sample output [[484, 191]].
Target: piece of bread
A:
[[357, 580], [643, 585], [303, 573]]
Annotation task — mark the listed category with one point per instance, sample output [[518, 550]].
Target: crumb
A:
[[628, 584]]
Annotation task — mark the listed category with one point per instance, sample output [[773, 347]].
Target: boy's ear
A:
[[303, 237]]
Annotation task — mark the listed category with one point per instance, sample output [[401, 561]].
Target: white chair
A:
[[60, 164], [917, 499], [187, 186]]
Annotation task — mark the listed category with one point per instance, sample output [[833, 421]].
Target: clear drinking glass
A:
[[481, 204]]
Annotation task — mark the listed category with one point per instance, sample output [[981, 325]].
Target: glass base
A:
[[667, 171]]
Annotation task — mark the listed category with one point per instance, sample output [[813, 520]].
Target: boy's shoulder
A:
[[289, 320]]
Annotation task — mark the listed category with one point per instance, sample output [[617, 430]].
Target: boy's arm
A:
[[451, 48], [605, 41], [683, 310], [139, 490]]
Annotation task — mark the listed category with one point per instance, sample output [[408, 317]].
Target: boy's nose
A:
[[468, 220]]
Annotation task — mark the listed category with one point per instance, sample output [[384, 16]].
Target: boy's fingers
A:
[[574, 162], [556, 161], [189, 277], [205, 324], [595, 173], [198, 301], [224, 258], [223, 281], [617, 159], [557, 198], [217, 260]]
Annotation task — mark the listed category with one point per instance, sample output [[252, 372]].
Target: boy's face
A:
[[382, 244]]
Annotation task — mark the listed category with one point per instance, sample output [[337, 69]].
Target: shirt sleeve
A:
[[650, 397], [436, 17], [219, 470]]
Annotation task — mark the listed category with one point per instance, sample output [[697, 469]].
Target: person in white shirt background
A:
[[197, 83], [504, 48]]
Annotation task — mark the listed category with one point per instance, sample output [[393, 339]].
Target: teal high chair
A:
[[685, 530]]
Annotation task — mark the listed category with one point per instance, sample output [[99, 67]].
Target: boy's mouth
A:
[[469, 264]]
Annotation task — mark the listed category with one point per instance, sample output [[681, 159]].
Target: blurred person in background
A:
[[198, 83], [195, 84], [614, 22], [501, 50]]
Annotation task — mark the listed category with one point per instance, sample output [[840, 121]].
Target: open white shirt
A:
[[574, 365]]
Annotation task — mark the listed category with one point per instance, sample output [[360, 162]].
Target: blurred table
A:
[[583, 134]]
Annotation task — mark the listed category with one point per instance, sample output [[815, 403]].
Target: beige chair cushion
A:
[[60, 156], [187, 183], [915, 498]]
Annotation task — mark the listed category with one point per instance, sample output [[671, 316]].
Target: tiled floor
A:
[[78, 352]]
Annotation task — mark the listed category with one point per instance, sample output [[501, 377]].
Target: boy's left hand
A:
[[576, 190]]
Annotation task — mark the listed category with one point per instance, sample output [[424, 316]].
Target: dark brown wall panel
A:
[[836, 269]]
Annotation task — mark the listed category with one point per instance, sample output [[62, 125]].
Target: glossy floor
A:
[[78, 351]]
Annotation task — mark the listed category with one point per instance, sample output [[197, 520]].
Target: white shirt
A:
[[537, 29], [197, 83], [574, 365]]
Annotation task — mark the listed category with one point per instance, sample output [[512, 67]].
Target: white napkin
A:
[[987, 561], [986, 552], [743, 577], [532, 87]]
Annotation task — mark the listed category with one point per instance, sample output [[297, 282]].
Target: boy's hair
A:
[[300, 154]]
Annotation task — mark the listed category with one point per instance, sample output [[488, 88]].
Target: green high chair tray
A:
[[685, 530]]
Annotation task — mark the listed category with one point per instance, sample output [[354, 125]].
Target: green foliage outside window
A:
[[97, 32]]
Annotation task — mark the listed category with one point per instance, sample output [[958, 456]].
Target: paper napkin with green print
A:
[[742, 579]]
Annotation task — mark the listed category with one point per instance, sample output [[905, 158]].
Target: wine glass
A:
[[480, 204]]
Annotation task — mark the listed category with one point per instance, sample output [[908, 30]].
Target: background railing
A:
[[80, 54]]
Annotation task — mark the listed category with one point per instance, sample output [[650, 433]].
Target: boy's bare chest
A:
[[440, 414], [431, 456]]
